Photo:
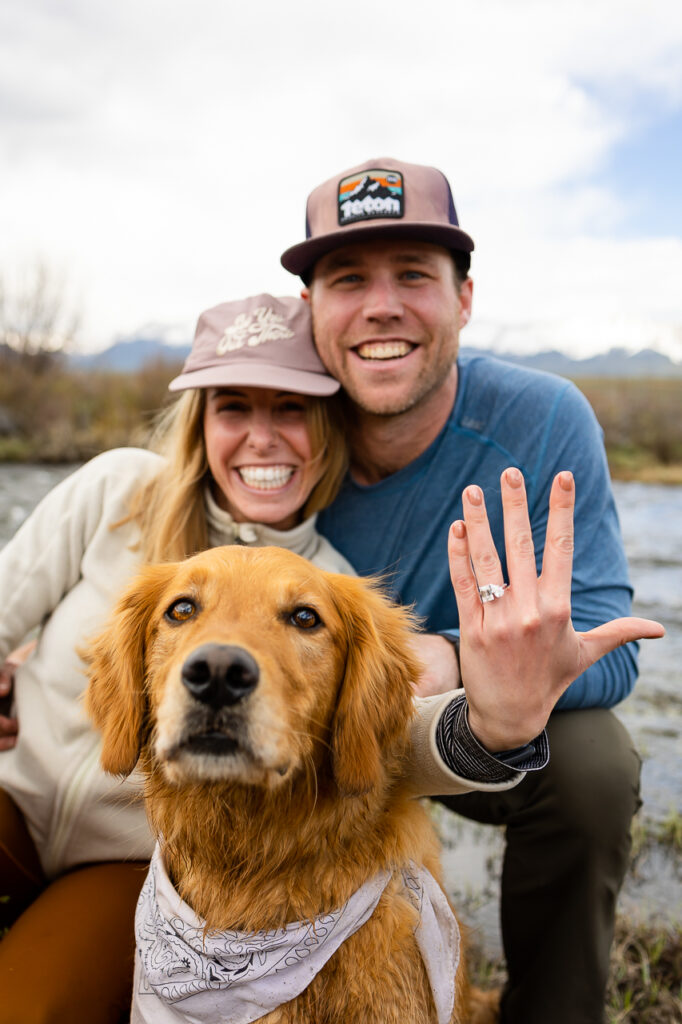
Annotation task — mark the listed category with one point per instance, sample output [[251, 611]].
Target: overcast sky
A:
[[157, 154]]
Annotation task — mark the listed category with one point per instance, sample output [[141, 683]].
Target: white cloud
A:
[[162, 152]]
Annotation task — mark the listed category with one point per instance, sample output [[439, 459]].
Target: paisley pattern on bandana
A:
[[183, 969]]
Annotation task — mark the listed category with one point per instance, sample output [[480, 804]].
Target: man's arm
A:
[[600, 589]]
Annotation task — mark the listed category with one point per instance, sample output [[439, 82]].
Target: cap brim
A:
[[300, 258], [255, 375]]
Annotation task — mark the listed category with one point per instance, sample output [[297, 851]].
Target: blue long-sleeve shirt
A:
[[503, 415]]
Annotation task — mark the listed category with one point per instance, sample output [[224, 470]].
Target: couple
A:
[[385, 268]]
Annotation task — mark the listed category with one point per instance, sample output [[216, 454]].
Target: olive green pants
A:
[[567, 849], [68, 955]]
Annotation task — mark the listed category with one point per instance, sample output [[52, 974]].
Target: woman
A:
[[248, 454]]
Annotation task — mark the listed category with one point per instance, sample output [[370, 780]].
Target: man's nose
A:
[[382, 300]]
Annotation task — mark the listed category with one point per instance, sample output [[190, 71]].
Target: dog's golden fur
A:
[[306, 804]]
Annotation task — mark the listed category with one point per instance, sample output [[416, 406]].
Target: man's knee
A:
[[592, 781]]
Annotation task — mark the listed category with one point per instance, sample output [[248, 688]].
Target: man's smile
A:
[[391, 348]]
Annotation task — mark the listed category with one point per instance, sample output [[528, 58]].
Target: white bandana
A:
[[185, 973]]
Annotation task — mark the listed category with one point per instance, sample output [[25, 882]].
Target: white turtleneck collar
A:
[[223, 529], [303, 540]]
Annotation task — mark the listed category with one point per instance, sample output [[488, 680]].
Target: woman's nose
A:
[[262, 432]]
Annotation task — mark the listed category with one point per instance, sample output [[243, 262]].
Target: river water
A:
[[651, 518]]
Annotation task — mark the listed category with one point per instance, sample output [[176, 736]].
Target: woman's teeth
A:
[[266, 478], [383, 349]]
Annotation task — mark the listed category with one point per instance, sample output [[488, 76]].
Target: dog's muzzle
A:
[[220, 675]]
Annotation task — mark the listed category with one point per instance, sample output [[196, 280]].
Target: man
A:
[[385, 268]]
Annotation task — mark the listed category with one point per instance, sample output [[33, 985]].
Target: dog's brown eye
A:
[[181, 610], [305, 618]]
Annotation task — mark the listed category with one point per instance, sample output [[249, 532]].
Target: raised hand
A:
[[519, 651]]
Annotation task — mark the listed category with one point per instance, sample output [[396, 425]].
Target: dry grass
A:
[[645, 983], [645, 980], [64, 415], [642, 425]]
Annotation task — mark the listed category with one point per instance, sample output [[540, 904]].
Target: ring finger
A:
[[486, 562]]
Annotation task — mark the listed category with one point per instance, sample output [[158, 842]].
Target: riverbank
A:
[[60, 415]]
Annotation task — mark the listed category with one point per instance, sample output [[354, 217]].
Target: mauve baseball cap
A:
[[382, 198], [261, 342]]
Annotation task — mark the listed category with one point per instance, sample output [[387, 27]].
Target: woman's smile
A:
[[265, 478]]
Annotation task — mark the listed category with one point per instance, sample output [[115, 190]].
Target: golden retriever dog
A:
[[267, 704]]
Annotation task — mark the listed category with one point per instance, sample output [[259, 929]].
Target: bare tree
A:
[[35, 318]]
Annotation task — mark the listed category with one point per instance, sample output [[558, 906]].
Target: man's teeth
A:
[[266, 478], [384, 349]]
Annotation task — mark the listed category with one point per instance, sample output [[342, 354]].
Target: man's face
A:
[[386, 318]]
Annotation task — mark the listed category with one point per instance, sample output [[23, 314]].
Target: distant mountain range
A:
[[617, 362], [130, 356]]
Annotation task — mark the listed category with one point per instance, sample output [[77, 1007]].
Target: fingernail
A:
[[474, 495], [459, 529], [566, 480], [514, 477]]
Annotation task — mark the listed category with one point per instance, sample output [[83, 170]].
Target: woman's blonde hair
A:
[[170, 508]]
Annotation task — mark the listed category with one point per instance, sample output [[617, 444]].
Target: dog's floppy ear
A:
[[374, 703], [115, 697]]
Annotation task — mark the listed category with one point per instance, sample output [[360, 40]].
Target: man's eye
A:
[[349, 278], [181, 610], [305, 618]]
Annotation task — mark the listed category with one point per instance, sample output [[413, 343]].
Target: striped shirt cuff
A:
[[465, 756]]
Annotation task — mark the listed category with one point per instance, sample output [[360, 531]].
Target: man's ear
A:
[[466, 292], [305, 293]]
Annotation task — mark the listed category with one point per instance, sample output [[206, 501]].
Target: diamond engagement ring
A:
[[490, 591]]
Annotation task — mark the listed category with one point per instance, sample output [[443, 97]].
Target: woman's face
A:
[[259, 453]]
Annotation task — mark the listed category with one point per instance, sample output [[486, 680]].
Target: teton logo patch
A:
[[371, 194]]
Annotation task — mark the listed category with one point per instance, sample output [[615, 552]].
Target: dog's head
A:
[[244, 664]]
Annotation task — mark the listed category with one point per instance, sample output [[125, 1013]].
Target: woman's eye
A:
[[181, 610], [232, 407], [305, 618], [292, 408]]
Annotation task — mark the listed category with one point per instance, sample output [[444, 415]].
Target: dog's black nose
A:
[[219, 674]]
